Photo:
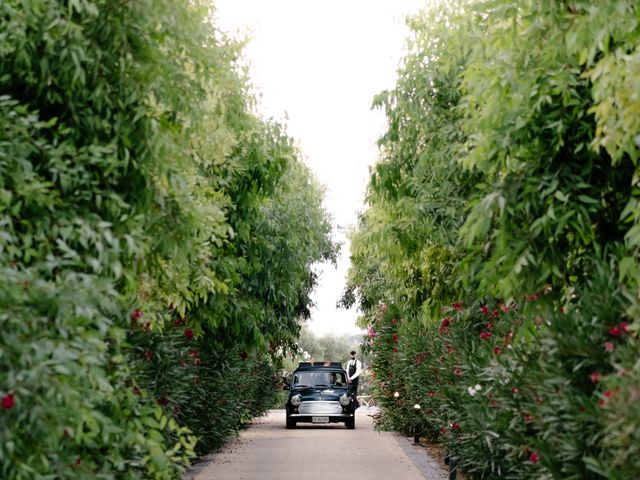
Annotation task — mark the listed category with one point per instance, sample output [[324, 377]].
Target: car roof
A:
[[318, 366]]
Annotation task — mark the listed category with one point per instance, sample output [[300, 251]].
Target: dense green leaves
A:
[[134, 176], [496, 263]]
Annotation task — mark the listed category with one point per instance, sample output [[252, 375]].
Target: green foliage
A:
[[496, 263], [134, 175]]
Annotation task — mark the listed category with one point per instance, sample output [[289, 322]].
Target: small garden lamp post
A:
[[417, 426]]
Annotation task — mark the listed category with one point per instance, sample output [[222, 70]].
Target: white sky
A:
[[317, 65]]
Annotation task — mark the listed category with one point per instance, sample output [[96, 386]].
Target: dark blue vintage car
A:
[[319, 393]]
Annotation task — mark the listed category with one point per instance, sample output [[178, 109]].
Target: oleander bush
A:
[[496, 262], [157, 239]]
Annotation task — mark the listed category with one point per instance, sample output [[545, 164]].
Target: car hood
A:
[[310, 394]]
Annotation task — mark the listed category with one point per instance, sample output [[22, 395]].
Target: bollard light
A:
[[417, 430]]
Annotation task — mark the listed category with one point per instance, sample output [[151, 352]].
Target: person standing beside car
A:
[[354, 369]]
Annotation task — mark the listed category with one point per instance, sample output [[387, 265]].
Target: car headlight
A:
[[345, 400], [296, 400]]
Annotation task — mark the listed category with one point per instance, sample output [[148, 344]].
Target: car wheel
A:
[[291, 423], [350, 423]]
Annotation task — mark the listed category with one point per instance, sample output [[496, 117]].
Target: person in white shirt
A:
[[354, 369]]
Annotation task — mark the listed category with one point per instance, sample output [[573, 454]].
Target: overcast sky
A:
[[317, 65]]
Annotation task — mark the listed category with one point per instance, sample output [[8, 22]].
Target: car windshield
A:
[[319, 379]]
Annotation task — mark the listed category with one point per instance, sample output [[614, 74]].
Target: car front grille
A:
[[320, 408]]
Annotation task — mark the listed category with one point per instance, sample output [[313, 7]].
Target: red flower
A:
[[534, 457], [244, 355], [137, 314], [197, 381], [148, 355], [528, 418], [193, 352], [457, 371], [455, 426], [602, 402], [163, 401], [608, 393], [489, 325], [615, 331], [515, 390], [595, 377], [78, 461], [445, 323], [394, 337], [608, 347], [484, 309], [457, 306], [394, 321], [8, 401], [188, 333], [497, 350], [432, 393], [484, 335]]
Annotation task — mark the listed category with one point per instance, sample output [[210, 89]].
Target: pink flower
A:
[[534, 457], [528, 418], [515, 390], [455, 426], [8, 401], [595, 377], [615, 331], [136, 314], [445, 323], [484, 309], [624, 327], [608, 393], [457, 306], [371, 332], [608, 346], [457, 371], [484, 335]]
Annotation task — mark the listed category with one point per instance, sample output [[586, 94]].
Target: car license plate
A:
[[319, 419]]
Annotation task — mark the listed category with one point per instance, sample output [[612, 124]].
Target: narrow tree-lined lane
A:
[[266, 450]]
